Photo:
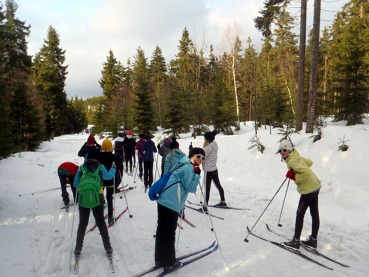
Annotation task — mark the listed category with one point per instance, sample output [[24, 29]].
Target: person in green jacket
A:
[[308, 185]]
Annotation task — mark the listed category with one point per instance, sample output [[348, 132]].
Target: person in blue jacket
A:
[[98, 212], [171, 202]]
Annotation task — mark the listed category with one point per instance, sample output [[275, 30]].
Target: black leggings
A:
[[84, 214], [165, 236], [63, 184], [308, 200], [213, 176], [129, 156]]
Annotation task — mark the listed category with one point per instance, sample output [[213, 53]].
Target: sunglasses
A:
[[282, 150], [200, 157]]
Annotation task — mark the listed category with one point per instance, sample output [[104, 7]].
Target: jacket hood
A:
[[91, 164], [178, 154], [183, 159]]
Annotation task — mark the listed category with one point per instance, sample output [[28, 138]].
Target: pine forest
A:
[[294, 78]]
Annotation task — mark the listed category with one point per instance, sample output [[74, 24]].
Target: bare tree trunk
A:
[[301, 74], [313, 69], [235, 84]]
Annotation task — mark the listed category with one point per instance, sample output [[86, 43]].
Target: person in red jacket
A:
[[66, 173]]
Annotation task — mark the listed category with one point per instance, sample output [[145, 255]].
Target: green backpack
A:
[[89, 188]]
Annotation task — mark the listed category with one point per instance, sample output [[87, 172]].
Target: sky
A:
[[88, 29], [37, 237]]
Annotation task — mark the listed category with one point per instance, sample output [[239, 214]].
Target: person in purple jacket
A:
[[139, 146]]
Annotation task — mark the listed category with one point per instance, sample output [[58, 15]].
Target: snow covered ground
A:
[[37, 237]]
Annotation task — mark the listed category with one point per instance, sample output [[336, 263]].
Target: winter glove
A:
[[290, 174], [197, 170], [158, 146]]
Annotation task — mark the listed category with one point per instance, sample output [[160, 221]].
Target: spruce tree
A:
[[22, 113], [219, 105], [6, 138], [350, 61], [112, 77], [158, 78], [183, 67], [143, 101], [50, 75]]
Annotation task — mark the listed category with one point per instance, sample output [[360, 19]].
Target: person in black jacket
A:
[[108, 159], [129, 145], [148, 150], [90, 149]]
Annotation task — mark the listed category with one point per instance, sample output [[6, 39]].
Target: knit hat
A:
[[167, 142], [174, 145], [141, 135], [210, 136], [286, 144], [196, 150], [91, 140], [107, 145], [129, 134]]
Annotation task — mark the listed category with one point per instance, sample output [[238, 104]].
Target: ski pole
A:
[[179, 232], [213, 229], [125, 197], [40, 191], [135, 167], [74, 212], [113, 199], [246, 240], [280, 215], [156, 165]]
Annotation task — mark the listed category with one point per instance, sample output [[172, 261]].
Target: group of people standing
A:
[[107, 160], [183, 180]]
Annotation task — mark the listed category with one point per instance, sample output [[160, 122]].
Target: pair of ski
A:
[[204, 212], [187, 221], [105, 217], [220, 207], [120, 191], [296, 251], [308, 248], [76, 264], [194, 256]]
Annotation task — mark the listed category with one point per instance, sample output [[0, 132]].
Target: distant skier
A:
[[139, 146], [308, 185], [129, 145], [148, 150]]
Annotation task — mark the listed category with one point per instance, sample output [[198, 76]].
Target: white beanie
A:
[[286, 144]]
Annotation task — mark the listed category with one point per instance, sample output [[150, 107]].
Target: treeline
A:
[[33, 103], [195, 89]]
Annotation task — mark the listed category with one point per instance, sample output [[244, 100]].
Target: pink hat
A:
[[91, 140]]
